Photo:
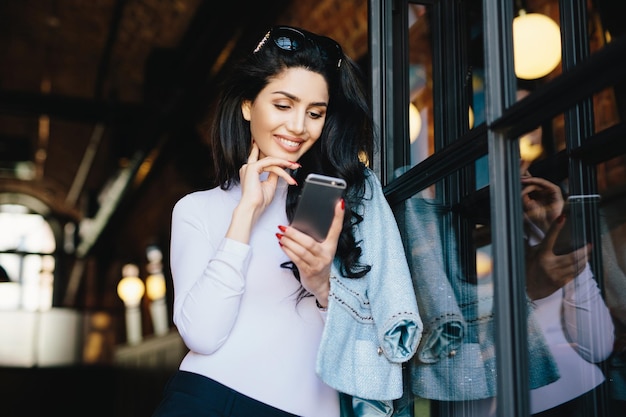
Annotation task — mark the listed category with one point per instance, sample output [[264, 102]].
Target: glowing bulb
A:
[[483, 264], [536, 45], [155, 286], [130, 288], [528, 150], [415, 122]]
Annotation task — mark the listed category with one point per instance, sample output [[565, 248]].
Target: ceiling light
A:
[[536, 45]]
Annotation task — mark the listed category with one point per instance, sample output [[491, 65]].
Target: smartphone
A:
[[316, 206], [576, 231]]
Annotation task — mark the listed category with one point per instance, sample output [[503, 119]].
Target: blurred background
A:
[[103, 112]]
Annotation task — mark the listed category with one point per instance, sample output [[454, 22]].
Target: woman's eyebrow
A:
[[298, 100]]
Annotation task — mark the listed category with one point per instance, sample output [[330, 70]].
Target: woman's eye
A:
[[315, 115], [281, 106]]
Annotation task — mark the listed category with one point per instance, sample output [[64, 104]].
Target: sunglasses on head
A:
[[292, 39]]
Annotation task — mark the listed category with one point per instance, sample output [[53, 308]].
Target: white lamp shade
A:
[[536, 45], [154, 254], [130, 270]]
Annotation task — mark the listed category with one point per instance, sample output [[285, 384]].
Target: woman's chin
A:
[[288, 156]]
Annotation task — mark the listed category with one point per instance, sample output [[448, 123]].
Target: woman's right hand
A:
[[313, 258], [547, 272], [256, 194]]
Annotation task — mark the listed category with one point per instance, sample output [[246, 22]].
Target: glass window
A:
[[27, 245], [557, 204]]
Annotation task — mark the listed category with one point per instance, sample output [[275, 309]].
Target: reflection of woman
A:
[[568, 304], [254, 327]]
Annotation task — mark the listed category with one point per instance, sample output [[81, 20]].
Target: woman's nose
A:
[[296, 123]]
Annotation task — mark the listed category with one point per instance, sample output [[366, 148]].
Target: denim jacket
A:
[[373, 324]]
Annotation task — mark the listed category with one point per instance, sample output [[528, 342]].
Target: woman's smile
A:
[[289, 144]]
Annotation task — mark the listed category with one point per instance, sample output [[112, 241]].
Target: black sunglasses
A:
[[292, 39]]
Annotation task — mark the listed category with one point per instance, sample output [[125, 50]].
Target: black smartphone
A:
[[316, 206], [576, 232]]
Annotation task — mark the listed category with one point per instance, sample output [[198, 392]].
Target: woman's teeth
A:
[[290, 143]]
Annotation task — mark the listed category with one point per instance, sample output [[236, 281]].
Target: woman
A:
[[252, 293]]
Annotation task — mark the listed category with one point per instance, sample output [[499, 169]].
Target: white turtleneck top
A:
[[236, 310]]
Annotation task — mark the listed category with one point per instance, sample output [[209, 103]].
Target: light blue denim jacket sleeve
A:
[[373, 323]]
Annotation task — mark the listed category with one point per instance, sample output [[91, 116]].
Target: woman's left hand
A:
[[314, 258]]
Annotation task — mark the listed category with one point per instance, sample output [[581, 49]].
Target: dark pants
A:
[[192, 395]]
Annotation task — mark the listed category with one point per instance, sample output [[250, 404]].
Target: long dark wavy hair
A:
[[347, 133]]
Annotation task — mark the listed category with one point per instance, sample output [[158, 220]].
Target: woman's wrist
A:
[[318, 287], [321, 298], [321, 301]]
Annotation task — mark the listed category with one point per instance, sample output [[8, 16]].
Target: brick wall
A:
[[343, 20]]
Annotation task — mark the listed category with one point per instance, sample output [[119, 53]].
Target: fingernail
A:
[[279, 236], [282, 228], [343, 204], [295, 163]]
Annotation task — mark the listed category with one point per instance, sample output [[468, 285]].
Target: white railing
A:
[[163, 352]]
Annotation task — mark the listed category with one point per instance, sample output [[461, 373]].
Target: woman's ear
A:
[[245, 109]]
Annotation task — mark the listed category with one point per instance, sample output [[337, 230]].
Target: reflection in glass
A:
[[565, 297], [576, 323], [613, 261], [420, 84]]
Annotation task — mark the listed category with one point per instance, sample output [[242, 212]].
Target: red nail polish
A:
[[282, 228], [343, 204], [279, 236]]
